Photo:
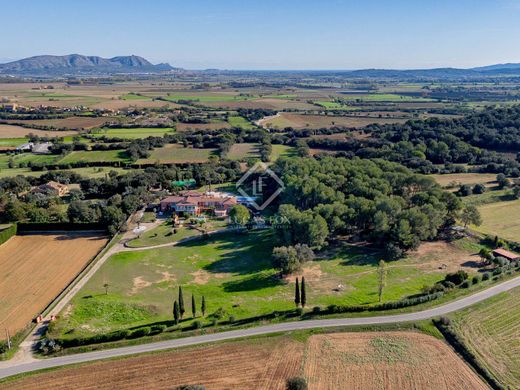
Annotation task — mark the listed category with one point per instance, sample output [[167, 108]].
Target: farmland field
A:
[[132, 133], [13, 131], [313, 121], [175, 153], [487, 179], [501, 218], [238, 121], [491, 329], [243, 151], [94, 156], [35, 268], [73, 122], [390, 360], [235, 273]]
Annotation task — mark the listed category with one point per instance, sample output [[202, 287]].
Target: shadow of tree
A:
[[252, 283]]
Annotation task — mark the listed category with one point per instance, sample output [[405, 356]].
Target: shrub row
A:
[[332, 309], [7, 233], [458, 344], [112, 336]]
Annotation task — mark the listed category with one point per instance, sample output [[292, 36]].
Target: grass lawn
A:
[[162, 234], [175, 153], [94, 156], [491, 330], [502, 219], [238, 121], [133, 133], [233, 272]]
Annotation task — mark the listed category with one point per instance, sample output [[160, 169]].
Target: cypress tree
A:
[[176, 312], [193, 306], [303, 294], [297, 293], [181, 302], [203, 306]]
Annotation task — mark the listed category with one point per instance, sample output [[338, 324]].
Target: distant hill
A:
[[76, 64], [498, 67]]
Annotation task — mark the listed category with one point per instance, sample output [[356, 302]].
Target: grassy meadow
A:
[[234, 272]]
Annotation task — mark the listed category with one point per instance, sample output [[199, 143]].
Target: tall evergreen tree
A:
[[181, 302], [303, 294], [176, 312], [203, 306], [193, 306], [381, 279], [297, 293]]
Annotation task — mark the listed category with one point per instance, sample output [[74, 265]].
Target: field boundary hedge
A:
[[27, 227], [460, 346], [8, 232]]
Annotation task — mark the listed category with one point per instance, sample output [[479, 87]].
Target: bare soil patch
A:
[[378, 360], [13, 131]]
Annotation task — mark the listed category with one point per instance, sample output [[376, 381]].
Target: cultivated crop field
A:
[[35, 268], [390, 360], [13, 131], [300, 121], [235, 273], [132, 133], [243, 151], [174, 153], [492, 331], [501, 218]]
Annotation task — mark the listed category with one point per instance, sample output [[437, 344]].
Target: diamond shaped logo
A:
[[258, 185]]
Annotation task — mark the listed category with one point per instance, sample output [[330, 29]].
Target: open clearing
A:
[[243, 151], [234, 272], [300, 121], [94, 156], [73, 122], [390, 360], [132, 133], [488, 179], [177, 154], [502, 219], [13, 131], [35, 268], [492, 331]]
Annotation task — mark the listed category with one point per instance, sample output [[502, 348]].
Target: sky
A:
[[269, 34]]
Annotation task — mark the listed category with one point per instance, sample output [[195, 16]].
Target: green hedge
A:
[[7, 233]]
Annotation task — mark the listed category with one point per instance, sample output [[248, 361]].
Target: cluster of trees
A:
[[289, 259], [377, 199], [179, 308]]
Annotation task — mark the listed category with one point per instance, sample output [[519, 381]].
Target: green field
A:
[[238, 121], [94, 156], [233, 272], [243, 151], [282, 151], [491, 330], [91, 172], [332, 105], [162, 234], [206, 98], [501, 218], [133, 133], [384, 97], [176, 154], [26, 158], [133, 96], [12, 142]]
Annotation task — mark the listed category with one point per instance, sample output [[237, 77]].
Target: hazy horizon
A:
[[288, 35]]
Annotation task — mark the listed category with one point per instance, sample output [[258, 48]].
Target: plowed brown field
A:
[[389, 360], [36, 268]]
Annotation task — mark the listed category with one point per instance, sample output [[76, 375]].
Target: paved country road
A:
[[234, 334]]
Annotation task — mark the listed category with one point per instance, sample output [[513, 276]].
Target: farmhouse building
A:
[[52, 188], [196, 203], [506, 254]]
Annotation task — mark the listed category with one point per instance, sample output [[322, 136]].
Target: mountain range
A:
[[76, 64]]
